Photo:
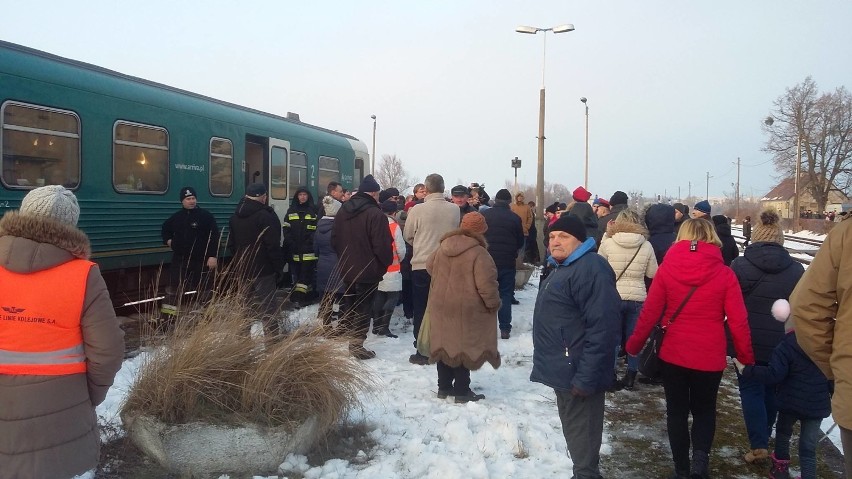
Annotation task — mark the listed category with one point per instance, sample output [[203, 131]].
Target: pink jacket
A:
[[696, 339]]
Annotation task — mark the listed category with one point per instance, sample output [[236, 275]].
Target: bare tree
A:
[[391, 173], [552, 192], [823, 122]]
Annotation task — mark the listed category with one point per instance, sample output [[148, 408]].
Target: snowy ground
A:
[[514, 432]]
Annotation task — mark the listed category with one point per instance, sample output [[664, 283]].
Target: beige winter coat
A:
[[618, 246], [426, 224], [48, 427], [821, 307], [524, 211], [463, 302]]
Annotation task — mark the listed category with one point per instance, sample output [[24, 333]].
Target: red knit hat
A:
[[580, 194]]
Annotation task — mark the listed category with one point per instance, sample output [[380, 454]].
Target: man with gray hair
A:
[[426, 224]]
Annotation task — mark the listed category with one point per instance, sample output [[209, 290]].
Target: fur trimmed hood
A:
[[30, 243], [465, 240]]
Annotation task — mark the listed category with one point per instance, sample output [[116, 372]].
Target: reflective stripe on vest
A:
[[39, 337], [394, 267]]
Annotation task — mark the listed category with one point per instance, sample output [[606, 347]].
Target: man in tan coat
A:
[[520, 208], [60, 344], [822, 314]]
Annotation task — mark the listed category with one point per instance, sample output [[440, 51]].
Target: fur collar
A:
[[45, 230], [625, 227], [463, 232]]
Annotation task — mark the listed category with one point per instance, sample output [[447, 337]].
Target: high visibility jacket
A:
[[39, 337], [394, 267]]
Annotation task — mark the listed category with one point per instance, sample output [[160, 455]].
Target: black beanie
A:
[[369, 185], [503, 195], [571, 225], [389, 206], [186, 192], [618, 198], [387, 194]]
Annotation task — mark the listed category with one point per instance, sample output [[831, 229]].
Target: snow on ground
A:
[[514, 432]]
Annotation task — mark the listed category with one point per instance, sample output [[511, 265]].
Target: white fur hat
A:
[[330, 205], [53, 201]]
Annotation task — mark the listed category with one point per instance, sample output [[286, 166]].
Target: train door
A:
[[279, 177], [358, 173]]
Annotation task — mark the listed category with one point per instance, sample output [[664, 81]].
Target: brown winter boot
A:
[[756, 456]]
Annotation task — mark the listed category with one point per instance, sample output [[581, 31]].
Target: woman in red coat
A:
[[694, 349]]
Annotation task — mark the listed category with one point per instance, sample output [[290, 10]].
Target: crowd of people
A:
[[610, 275]]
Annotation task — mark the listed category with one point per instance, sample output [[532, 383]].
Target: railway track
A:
[[796, 253]]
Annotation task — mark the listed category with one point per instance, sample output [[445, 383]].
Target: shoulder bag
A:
[[650, 364], [628, 264]]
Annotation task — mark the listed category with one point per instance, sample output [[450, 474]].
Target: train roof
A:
[[46, 75]]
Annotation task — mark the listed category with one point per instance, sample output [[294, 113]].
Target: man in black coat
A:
[[361, 237], [255, 242], [660, 219], [193, 237], [505, 237]]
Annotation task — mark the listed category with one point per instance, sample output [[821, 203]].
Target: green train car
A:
[[125, 146]]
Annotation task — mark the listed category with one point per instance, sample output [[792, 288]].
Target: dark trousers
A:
[[420, 280], [384, 302], [690, 391], [506, 286], [356, 309], [304, 274], [457, 379], [582, 425], [262, 292], [407, 296], [187, 274], [759, 410], [809, 435]]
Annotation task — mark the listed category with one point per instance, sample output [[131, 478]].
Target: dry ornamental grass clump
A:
[[213, 370]]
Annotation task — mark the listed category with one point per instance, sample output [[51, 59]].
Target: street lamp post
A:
[[796, 224], [586, 175], [516, 163], [539, 187], [373, 159]]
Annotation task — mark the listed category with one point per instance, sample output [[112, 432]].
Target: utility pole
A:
[[689, 191], [738, 188], [707, 195], [678, 194]]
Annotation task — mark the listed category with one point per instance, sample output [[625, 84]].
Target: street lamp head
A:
[[373, 116], [568, 27], [583, 99], [526, 29], [769, 121]]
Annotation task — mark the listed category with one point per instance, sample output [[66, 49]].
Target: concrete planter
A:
[[522, 275], [196, 449]]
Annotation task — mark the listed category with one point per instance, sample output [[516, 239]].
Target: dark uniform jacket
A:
[[255, 239], [576, 323], [661, 229], [505, 234], [766, 273], [803, 391], [299, 228], [362, 240], [194, 233]]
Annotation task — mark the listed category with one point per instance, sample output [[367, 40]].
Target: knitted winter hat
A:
[[571, 225], [186, 192], [580, 194], [330, 205], [552, 208], [53, 201], [369, 185], [703, 206], [474, 222], [618, 198], [387, 194], [389, 206], [256, 190], [503, 195], [768, 230]]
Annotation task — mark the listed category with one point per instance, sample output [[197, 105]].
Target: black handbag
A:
[[650, 364]]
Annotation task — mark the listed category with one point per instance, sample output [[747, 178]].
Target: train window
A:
[[329, 170], [278, 171], [221, 167], [298, 172], [41, 146], [141, 158]]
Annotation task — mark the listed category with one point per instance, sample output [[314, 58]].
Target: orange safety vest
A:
[[43, 337], [394, 267]]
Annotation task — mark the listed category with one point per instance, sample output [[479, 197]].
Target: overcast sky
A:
[[675, 89]]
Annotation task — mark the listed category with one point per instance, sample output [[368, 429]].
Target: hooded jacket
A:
[[300, 227], [661, 229], [505, 234], [766, 273], [576, 323], [463, 302], [822, 313], [696, 340], [48, 427], [625, 240], [729, 247], [362, 240], [328, 279], [524, 212], [255, 239]]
